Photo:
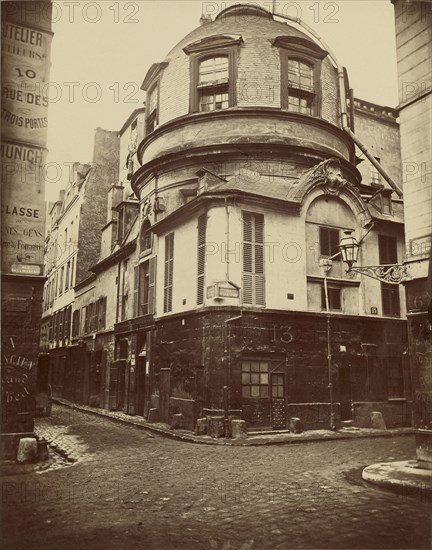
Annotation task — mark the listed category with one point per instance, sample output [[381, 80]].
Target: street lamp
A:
[[389, 273]]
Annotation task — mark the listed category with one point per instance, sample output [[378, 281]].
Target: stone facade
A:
[[220, 299], [414, 51]]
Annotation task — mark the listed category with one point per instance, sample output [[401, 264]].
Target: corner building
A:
[[246, 180]]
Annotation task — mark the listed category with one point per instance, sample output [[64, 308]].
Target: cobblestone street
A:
[[132, 489]]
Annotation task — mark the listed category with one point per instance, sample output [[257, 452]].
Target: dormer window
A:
[[300, 90], [213, 84], [300, 61], [213, 64], [152, 109]]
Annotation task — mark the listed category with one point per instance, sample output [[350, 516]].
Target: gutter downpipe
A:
[[226, 388], [347, 129], [343, 108]]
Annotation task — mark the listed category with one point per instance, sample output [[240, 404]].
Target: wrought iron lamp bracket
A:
[[391, 274]]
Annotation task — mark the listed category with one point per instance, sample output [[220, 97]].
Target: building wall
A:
[[26, 46], [414, 51], [378, 129]]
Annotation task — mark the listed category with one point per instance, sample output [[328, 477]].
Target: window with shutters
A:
[[389, 293], [169, 270], [253, 259], [146, 287], [61, 281], [152, 105], [61, 318], [101, 313], [67, 323], [329, 242], [202, 225], [146, 237], [76, 323], [255, 381]]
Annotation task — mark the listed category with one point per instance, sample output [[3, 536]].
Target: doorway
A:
[[278, 408]]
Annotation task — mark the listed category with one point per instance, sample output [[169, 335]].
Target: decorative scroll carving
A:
[[391, 274]]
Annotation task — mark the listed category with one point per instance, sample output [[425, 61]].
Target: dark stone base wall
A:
[[395, 413], [21, 309]]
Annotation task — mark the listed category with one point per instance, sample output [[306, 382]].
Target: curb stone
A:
[[306, 437]]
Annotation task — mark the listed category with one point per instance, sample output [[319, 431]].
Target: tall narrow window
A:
[[152, 109], [67, 278], [61, 281], [202, 223], [145, 237], [300, 92], [169, 268], [147, 287], [213, 84], [389, 293], [72, 272], [253, 259]]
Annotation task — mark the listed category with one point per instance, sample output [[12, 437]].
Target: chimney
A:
[[205, 19]]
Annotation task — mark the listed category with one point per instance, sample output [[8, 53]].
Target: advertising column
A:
[[26, 45]]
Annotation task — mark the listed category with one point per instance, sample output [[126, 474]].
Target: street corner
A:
[[403, 476]]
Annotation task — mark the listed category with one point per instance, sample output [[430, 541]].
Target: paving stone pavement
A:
[[133, 489]]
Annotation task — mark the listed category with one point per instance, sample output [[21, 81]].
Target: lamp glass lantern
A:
[[349, 248]]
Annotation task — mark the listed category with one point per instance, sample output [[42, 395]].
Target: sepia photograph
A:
[[216, 275]]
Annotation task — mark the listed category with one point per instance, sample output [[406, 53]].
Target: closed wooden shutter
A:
[[387, 250], [202, 223], [152, 285], [253, 259], [169, 269]]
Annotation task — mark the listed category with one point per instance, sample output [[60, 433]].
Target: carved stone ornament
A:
[[329, 174]]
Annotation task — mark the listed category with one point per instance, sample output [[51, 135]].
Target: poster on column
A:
[[25, 84], [22, 209]]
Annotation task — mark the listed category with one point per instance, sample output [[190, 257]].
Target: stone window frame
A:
[[211, 47], [304, 51]]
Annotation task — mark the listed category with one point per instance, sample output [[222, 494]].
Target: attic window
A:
[[213, 63], [152, 105], [300, 62]]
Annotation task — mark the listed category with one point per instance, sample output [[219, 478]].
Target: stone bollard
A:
[[377, 421], [27, 450], [42, 449], [215, 426], [296, 425], [153, 415], [177, 421], [238, 429], [201, 426]]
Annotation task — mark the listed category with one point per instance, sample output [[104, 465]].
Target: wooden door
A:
[[278, 408], [345, 393]]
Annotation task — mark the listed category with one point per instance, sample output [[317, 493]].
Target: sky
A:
[[102, 50]]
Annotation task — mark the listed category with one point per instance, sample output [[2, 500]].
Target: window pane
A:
[[255, 391], [246, 366], [255, 366], [245, 378], [255, 378], [264, 366], [215, 68], [246, 391], [264, 378], [264, 391]]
